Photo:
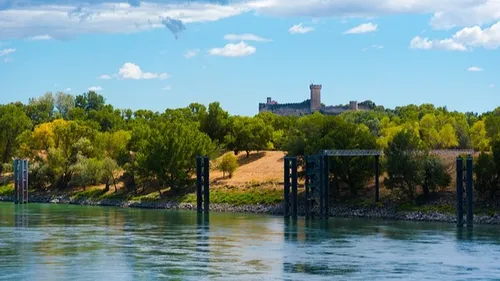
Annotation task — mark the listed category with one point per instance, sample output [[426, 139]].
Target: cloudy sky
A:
[[166, 54]]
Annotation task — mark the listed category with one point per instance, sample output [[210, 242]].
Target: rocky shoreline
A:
[[387, 212]]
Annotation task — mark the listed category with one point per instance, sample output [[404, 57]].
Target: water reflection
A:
[[95, 243], [21, 215]]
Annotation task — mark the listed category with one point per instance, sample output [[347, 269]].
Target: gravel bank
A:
[[386, 212]]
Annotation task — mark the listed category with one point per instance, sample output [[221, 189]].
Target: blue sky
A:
[[164, 54]]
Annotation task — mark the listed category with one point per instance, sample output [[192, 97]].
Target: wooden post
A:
[[321, 186], [206, 187], [460, 183], [307, 187], [199, 184], [469, 192], [16, 180], [286, 187], [295, 200], [377, 175]]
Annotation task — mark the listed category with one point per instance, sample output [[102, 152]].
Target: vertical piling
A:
[[206, 184], [326, 177], [15, 181], [286, 187], [460, 187], [321, 186], [26, 180], [377, 172], [295, 200], [307, 187], [199, 184], [469, 192]]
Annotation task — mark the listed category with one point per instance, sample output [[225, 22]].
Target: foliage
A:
[[247, 134], [80, 140], [13, 121], [7, 168], [227, 164], [316, 132], [169, 154], [485, 169], [64, 103], [404, 163], [435, 175]]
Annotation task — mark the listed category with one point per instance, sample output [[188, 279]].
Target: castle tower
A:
[[353, 105], [268, 100], [315, 97]]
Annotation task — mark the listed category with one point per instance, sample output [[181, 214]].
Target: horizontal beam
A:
[[352, 152], [373, 152]]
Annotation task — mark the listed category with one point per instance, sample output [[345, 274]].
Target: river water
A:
[[67, 242]]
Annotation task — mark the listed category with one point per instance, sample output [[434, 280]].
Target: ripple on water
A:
[[95, 243]]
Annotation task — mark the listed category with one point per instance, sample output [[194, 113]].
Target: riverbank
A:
[[380, 211]]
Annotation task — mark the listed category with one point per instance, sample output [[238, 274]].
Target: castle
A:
[[311, 105]]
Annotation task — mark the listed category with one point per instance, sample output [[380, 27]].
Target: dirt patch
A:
[[264, 166]]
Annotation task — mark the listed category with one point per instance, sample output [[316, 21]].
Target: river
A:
[[69, 242]]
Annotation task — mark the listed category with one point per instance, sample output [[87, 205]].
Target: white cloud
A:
[[492, 86], [474, 69], [65, 19], [191, 53], [133, 71], [446, 13], [95, 88], [6, 60], [5, 52], [464, 39], [68, 90], [105, 77], [167, 88], [300, 29], [424, 43], [362, 28], [233, 50], [41, 37], [245, 37]]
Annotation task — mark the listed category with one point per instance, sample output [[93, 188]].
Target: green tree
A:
[[404, 163], [169, 154], [486, 180], [64, 103], [479, 139], [227, 164], [435, 176], [448, 138], [248, 134], [62, 141], [13, 121], [41, 109], [215, 123]]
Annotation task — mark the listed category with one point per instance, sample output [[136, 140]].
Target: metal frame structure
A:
[[290, 181], [20, 181], [202, 184], [466, 177]]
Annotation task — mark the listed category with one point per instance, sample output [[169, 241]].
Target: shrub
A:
[[7, 168], [435, 175], [228, 164], [486, 176]]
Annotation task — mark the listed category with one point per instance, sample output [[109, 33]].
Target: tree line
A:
[[82, 140]]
